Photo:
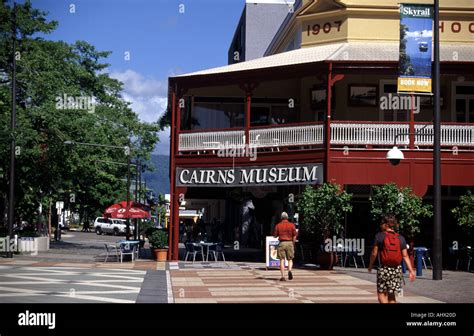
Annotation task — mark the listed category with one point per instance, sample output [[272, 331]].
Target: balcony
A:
[[362, 134]]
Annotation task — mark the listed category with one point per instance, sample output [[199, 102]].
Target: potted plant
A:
[[323, 209], [159, 243], [405, 205]]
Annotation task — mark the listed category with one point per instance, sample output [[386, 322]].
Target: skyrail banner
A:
[[416, 37]]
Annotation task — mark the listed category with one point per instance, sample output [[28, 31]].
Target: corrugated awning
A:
[[354, 51]]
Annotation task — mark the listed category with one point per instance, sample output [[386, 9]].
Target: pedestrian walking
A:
[[391, 248], [286, 233]]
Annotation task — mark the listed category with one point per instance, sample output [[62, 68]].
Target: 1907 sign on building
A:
[[249, 176]]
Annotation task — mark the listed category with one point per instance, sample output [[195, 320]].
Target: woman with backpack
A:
[[391, 248]]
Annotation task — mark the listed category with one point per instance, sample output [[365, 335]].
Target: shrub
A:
[[407, 207], [159, 239], [323, 210]]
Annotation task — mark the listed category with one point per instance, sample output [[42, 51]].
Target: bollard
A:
[[419, 262]]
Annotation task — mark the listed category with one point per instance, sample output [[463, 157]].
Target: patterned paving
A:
[[198, 284], [136, 265], [185, 282], [39, 284]]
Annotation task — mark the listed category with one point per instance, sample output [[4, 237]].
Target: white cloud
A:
[[420, 33], [148, 96]]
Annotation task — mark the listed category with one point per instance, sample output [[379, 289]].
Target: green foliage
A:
[[47, 169], [464, 213], [28, 233], [159, 239], [323, 210], [406, 68], [407, 207], [146, 227]]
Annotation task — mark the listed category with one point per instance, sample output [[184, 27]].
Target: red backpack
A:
[[391, 254]]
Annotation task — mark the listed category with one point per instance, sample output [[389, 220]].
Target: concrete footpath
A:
[[456, 286]]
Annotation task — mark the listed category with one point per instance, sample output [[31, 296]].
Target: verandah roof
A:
[[345, 52]]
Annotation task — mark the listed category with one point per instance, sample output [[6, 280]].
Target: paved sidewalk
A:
[[456, 286], [192, 283], [33, 280]]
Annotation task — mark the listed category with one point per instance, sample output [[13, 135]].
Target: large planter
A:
[[160, 254], [326, 260]]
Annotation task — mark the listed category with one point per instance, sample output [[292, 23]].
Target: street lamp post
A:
[[11, 194], [437, 242], [395, 155]]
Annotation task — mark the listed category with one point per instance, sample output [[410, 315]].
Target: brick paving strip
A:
[[254, 285]]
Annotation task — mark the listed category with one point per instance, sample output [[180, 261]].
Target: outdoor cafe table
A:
[[206, 246]]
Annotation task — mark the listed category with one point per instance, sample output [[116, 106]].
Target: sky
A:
[[150, 40]]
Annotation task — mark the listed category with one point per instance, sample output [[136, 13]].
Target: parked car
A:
[[111, 226]]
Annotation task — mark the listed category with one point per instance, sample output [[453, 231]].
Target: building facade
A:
[[257, 26], [248, 136]]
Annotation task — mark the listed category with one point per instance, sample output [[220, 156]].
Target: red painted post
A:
[[176, 201], [328, 124], [412, 122], [172, 176], [248, 100]]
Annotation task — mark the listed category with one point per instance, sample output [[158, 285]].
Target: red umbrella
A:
[[119, 210]]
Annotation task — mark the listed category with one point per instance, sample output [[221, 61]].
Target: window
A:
[[217, 115], [387, 87], [463, 103]]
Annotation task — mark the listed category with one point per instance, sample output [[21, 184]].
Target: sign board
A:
[[250, 176], [59, 206], [271, 256], [416, 48]]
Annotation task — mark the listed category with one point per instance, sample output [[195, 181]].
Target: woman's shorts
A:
[[389, 279]]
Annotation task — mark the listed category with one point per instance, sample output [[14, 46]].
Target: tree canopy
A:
[[53, 78]]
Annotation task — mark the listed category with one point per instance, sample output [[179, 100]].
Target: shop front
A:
[[261, 127]]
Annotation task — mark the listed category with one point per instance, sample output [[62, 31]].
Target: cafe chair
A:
[[215, 250], [220, 251], [194, 250], [111, 250], [464, 255], [127, 249], [353, 256]]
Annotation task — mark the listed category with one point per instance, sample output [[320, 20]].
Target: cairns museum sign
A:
[[250, 176]]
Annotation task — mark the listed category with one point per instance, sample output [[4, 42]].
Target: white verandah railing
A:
[[360, 133], [287, 136], [451, 135], [212, 140], [342, 133]]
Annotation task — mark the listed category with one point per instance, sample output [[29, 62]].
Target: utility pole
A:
[[437, 227], [137, 200], [128, 192], [11, 198]]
